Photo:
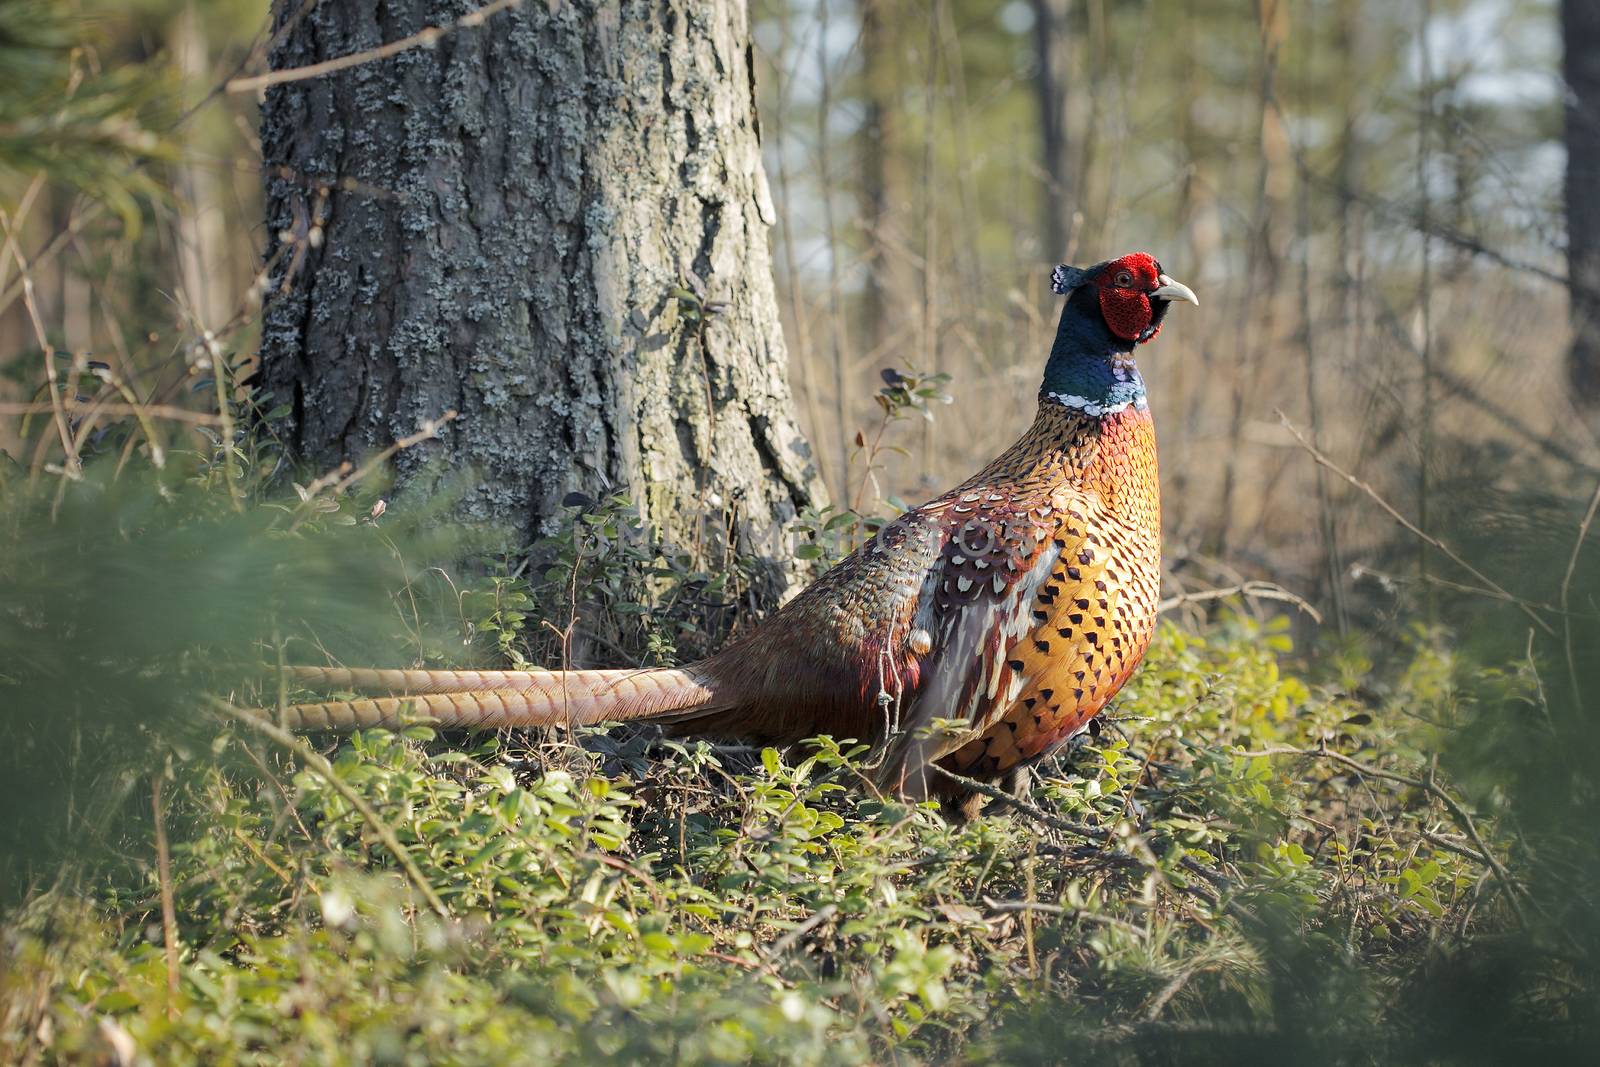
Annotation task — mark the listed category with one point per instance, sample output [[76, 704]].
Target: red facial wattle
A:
[[1128, 313], [1126, 286]]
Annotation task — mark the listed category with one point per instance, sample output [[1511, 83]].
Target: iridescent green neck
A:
[[1090, 368]]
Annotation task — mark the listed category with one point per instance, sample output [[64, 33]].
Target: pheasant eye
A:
[[1124, 279]]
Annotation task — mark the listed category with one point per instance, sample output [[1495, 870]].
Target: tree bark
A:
[[1052, 34], [504, 218], [1580, 32]]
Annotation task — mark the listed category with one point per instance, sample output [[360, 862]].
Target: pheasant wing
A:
[[976, 608]]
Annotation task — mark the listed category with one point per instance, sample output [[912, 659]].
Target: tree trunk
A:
[[505, 218], [890, 283], [207, 283], [1580, 31], [1052, 34]]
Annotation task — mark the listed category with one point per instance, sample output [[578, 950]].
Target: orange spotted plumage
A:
[[1014, 606], [1093, 617]]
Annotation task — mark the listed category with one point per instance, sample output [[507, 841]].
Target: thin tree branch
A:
[[1361, 570], [347, 474], [71, 464], [1322, 459], [423, 38], [1429, 785], [1413, 217], [1252, 589], [156, 411], [1566, 589], [790, 939], [1039, 815], [1007, 907]]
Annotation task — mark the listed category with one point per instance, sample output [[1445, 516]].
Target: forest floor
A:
[[1253, 860]]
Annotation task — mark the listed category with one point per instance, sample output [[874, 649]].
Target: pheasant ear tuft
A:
[[1064, 279]]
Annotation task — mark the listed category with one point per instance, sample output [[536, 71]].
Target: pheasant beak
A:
[[1169, 290]]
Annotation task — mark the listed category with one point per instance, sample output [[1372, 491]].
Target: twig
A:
[[1361, 570], [288, 802], [157, 453], [1160, 1001], [426, 432], [1253, 589], [12, 222], [1458, 814], [169, 910], [1566, 588], [219, 382], [1454, 846], [789, 940], [346, 474], [423, 38], [155, 411], [1039, 815], [643, 877], [735, 960], [1005, 907], [71, 464], [52, 248], [1322, 459], [317, 762], [1094, 833]]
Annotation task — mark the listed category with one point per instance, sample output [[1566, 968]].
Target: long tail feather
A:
[[402, 680], [541, 698]]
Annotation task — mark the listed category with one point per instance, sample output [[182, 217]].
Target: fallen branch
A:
[[1252, 590]]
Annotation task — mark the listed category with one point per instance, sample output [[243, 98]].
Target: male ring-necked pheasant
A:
[[1016, 604]]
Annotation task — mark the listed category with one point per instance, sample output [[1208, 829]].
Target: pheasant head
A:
[[1111, 308]]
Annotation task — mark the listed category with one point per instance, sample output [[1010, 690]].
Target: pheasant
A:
[[975, 632]]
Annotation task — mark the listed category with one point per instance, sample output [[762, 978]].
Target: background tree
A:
[[556, 225], [1580, 34], [884, 195], [1053, 41]]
